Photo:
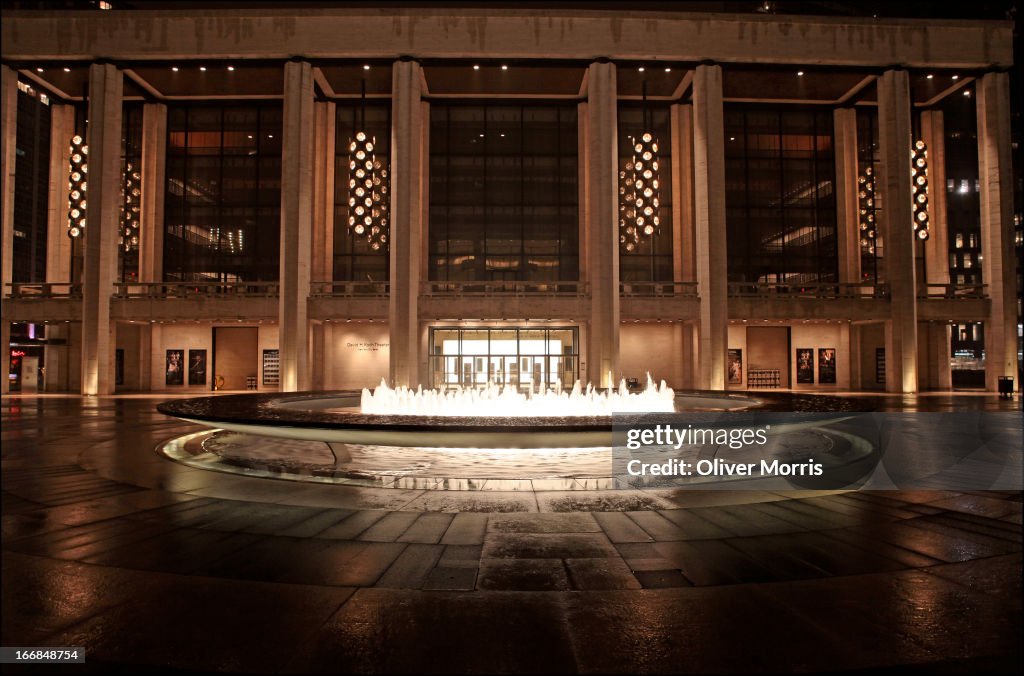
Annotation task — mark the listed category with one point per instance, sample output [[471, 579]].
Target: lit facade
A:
[[499, 150]]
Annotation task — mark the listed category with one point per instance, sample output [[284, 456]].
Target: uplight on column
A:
[[77, 183]]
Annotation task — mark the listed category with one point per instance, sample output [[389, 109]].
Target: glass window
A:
[[354, 259], [651, 261], [503, 192], [223, 202], [779, 194]]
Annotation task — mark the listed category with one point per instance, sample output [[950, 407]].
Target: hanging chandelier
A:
[[130, 209], [639, 185], [866, 197], [919, 188], [368, 198], [78, 169]]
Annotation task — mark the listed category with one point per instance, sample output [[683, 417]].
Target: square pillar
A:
[[8, 139], [898, 230], [407, 167], [709, 200], [323, 191], [603, 224], [995, 171], [684, 262], [103, 213], [296, 225], [847, 195], [936, 247], [151, 204]]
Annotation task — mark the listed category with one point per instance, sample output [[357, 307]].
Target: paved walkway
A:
[[144, 561]]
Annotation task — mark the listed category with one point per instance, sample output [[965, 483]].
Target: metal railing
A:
[[658, 289], [953, 291], [504, 288], [196, 290], [43, 290], [817, 291], [348, 289]]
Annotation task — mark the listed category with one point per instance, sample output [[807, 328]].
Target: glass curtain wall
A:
[[781, 214], [354, 260], [131, 155], [652, 260], [31, 185], [223, 200], [503, 192], [524, 358]]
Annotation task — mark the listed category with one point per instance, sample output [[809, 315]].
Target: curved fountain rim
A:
[[279, 410]]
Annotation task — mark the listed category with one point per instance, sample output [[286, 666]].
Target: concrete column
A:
[[58, 244], [897, 230], [151, 204], [8, 139], [936, 248], [684, 262], [995, 171], [603, 224], [296, 225], [847, 195], [99, 271], [709, 200], [323, 192], [406, 222]]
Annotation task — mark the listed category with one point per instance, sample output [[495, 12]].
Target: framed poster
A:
[[174, 369], [805, 366], [827, 366], [271, 367], [197, 367], [880, 365], [735, 367]]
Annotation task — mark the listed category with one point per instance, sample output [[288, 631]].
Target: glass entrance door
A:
[[525, 358]]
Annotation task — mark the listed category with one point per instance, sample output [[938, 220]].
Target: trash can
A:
[[1005, 387]]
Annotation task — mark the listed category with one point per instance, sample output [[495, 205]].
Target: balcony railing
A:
[[828, 291], [43, 290], [957, 291], [348, 289], [504, 288], [658, 289], [196, 290]]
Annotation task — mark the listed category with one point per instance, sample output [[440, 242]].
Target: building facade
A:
[[723, 201]]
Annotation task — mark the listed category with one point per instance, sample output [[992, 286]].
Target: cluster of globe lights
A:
[[368, 192], [638, 193], [919, 188], [130, 209], [868, 226], [509, 401], [77, 185]]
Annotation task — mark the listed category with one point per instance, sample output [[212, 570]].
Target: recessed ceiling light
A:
[[668, 70], [67, 70], [502, 136], [732, 138], [799, 73], [202, 68], [250, 135], [231, 67], [476, 67], [174, 68], [366, 66], [929, 76], [39, 70], [640, 69], [504, 67], [956, 77], [481, 135], [270, 136], [967, 93]]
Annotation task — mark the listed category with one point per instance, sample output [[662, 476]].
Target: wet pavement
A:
[[149, 563]]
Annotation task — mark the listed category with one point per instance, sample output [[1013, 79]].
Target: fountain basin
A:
[[334, 417]]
